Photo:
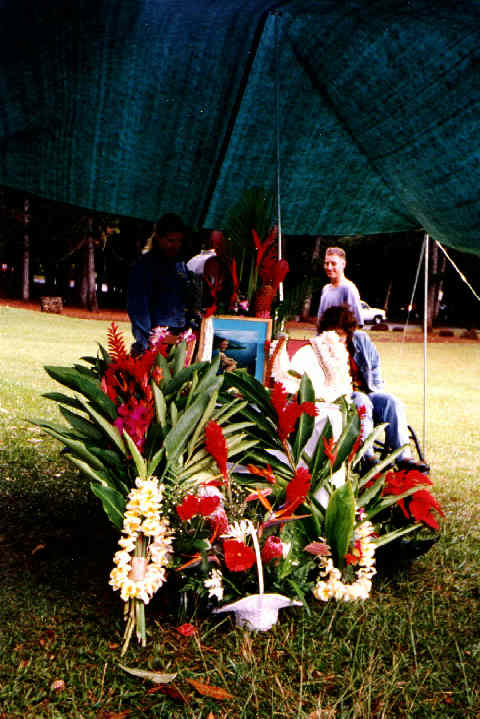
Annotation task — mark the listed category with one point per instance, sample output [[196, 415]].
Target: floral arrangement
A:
[[239, 496]]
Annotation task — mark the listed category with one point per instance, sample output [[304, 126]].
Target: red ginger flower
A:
[[116, 343], [216, 446], [192, 505], [238, 556], [272, 549], [298, 488], [288, 412], [262, 247], [330, 451]]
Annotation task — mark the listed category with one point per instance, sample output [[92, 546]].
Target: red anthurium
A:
[[192, 505], [298, 488], [216, 446], [330, 451], [272, 549], [238, 557]]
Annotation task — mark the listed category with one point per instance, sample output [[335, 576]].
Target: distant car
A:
[[372, 315]]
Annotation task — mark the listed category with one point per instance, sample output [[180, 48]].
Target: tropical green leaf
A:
[[252, 390], [396, 534], [139, 461], [110, 430], [89, 388], [339, 522], [393, 499], [319, 460], [161, 362], [183, 375], [154, 461], [347, 439], [77, 447], [81, 425], [63, 399], [113, 503], [202, 423], [160, 405], [210, 379], [306, 424]]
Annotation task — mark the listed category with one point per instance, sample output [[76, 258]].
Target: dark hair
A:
[[170, 222], [338, 318]]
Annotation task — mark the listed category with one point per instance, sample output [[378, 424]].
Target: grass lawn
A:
[[411, 651]]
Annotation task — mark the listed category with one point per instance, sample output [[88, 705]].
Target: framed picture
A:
[[240, 341]]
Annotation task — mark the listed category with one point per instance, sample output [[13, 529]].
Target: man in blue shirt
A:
[[340, 291], [160, 291]]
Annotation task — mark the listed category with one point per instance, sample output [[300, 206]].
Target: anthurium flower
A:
[[272, 549], [238, 556], [288, 412], [330, 451], [216, 446], [192, 506]]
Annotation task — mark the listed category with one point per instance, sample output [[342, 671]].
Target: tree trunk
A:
[[92, 301], [26, 251], [307, 303]]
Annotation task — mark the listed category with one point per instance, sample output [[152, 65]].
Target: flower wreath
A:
[[141, 575], [330, 585]]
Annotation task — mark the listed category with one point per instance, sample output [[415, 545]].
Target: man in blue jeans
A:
[[380, 406], [160, 289]]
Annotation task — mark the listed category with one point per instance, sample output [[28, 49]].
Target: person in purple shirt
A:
[[340, 292]]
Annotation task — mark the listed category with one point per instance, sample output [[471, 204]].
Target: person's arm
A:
[[354, 303], [374, 363], [138, 306]]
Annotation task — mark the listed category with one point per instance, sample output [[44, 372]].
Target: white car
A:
[[372, 315]]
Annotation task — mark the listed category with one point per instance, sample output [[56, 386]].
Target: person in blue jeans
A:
[[160, 289], [368, 386]]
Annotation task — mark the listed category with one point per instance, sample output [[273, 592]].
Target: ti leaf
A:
[[339, 522]]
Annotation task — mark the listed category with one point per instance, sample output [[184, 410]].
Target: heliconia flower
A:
[[298, 488], [216, 446], [186, 630], [272, 549], [238, 556], [265, 472], [330, 451], [288, 412]]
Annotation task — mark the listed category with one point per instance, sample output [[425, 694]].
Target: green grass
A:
[[411, 651]]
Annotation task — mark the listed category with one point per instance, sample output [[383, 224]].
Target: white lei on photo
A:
[[324, 360]]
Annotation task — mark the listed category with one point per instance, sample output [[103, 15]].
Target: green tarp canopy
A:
[[139, 107]]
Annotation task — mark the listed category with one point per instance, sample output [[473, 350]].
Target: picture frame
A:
[[246, 337]]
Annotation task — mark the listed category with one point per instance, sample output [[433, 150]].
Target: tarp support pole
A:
[[277, 146], [425, 318]]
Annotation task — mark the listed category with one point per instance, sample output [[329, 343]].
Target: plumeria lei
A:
[[330, 585], [146, 543]]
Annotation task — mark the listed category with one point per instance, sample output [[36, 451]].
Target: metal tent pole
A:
[[425, 318], [277, 146]]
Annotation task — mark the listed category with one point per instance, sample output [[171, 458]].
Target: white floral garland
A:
[[330, 585], [332, 356], [139, 577]]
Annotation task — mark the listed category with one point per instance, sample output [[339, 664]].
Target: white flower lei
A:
[[330, 585], [139, 577], [332, 356]]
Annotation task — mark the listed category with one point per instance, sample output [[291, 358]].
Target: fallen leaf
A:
[[186, 630], [57, 686], [170, 691], [113, 645], [155, 677], [38, 548], [209, 691]]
